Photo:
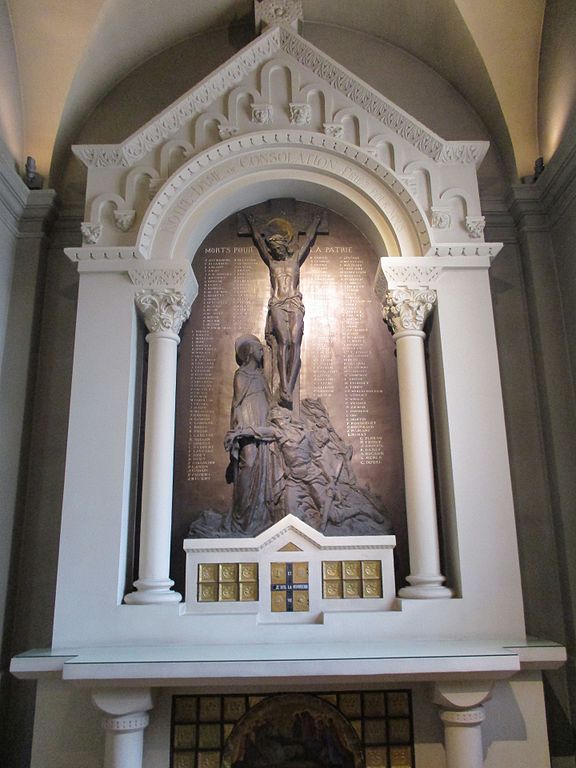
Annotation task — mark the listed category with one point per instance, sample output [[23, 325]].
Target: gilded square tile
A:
[[228, 592], [234, 708], [228, 571], [278, 573], [185, 709], [332, 589], [207, 593], [399, 731], [301, 601], [332, 569], [278, 602], [349, 704], [184, 760], [209, 736], [352, 589], [209, 760], [300, 573], [208, 572], [371, 569], [209, 709], [374, 704], [400, 757], [375, 731], [248, 571], [184, 737], [248, 592], [398, 704], [371, 588], [352, 569], [376, 757]]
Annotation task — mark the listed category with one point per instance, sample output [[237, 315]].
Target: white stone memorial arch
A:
[[281, 119]]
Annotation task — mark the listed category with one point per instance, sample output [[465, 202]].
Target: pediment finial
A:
[[285, 13]]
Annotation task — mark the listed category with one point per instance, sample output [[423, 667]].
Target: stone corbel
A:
[[126, 716], [462, 714]]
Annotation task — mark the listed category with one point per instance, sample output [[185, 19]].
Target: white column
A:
[[126, 717], [463, 737], [405, 311], [462, 715], [163, 312]]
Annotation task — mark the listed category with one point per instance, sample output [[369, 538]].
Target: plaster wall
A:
[[557, 77], [11, 120]]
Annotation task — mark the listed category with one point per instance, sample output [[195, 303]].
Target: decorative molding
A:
[[376, 105], [393, 276], [334, 130], [300, 113], [286, 146], [261, 113], [465, 249], [407, 309], [123, 220], [90, 232], [440, 218], [165, 278], [104, 253], [163, 310], [280, 40], [475, 226], [126, 723], [464, 717]]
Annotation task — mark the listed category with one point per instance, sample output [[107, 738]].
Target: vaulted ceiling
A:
[[70, 53]]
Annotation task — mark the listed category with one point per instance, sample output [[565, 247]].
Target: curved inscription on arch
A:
[[328, 158]]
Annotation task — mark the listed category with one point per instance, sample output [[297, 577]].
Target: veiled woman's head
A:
[[248, 348]]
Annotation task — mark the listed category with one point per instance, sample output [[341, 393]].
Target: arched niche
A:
[[258, 167]]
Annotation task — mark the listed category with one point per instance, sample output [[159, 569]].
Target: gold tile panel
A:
[[400, 757], [278, 573], [227, 582], [351, 579], [301, 601]]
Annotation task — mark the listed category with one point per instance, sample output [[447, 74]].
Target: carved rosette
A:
[[90, 232], [440, 218], [300, 114], [163, 310], [407, 309], [334, 130], [261, 113], [475, 226], [123, 220], [272, 12]]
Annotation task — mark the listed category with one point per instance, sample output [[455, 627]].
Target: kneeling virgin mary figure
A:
[[253, 466]]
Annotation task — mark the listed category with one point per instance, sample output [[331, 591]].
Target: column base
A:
[[153, 592], [425, 588]]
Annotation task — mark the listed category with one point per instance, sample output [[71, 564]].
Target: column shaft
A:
[[463, 738], [405, 312], [164, 312]]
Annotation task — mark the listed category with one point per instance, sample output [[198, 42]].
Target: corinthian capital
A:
[[406, 309], [163, 310]]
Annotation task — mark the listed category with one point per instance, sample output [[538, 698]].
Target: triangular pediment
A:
[[281, 80]]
